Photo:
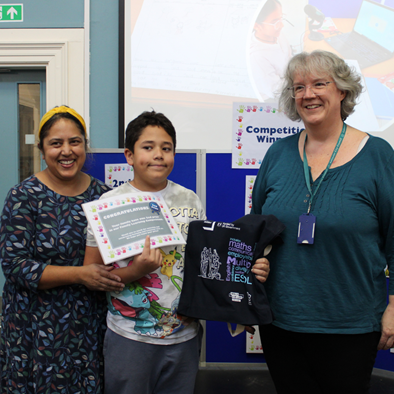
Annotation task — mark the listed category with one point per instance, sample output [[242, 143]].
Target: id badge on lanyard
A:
[[306, 229], [307, 221]]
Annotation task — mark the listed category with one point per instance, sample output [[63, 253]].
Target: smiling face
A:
[[63, 150], [152, 159], [265, 31], [322, 109]]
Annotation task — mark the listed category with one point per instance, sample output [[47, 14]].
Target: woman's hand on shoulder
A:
[[100, 278], [97, 276], [261, 269]]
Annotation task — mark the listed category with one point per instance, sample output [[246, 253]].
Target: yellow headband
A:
[[61, 110]]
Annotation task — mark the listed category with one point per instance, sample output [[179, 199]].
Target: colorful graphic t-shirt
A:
[[146, 310]]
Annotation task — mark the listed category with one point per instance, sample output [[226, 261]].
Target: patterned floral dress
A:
[[51, 340]]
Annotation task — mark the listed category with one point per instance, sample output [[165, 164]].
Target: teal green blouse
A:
[[336, 285]]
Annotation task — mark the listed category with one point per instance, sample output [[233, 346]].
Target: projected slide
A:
[[189, 46], [192, 59], [377, 24], [199, 46]]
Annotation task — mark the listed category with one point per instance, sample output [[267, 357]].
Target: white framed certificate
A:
[[121, 223]]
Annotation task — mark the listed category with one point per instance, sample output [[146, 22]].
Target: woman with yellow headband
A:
[[53, 317]]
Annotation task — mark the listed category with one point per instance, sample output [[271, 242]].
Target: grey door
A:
[[22, 103]]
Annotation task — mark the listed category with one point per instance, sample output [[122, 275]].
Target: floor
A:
[[218, 380]]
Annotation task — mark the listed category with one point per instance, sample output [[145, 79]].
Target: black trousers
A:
[[319, 363]]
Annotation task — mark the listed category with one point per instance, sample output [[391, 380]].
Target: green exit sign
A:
[[11, 12]]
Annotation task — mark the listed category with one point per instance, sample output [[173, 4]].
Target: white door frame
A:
[[63, 57]]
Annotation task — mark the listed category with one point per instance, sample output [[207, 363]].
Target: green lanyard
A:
[[306, 168]]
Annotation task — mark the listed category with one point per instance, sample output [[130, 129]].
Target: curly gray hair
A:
[[321, 63]]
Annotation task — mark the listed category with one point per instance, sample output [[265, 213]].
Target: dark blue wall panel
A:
[[225, 188], [184, 171]]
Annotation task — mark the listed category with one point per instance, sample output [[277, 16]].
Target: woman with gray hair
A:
[[332, 186]]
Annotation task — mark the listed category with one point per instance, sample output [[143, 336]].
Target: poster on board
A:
[[255, 128], [249, 184], [253, 342], [117, 174], [121, 223]]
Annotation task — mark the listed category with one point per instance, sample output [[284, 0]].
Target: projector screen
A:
[[192, 59]]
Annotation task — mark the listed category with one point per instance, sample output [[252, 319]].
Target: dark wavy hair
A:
[[136, 127]]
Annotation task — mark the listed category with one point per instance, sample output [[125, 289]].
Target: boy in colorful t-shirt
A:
[[148, 347]]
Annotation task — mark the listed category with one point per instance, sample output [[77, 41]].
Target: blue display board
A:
[[225, 196], [225, 188], [184, 171]]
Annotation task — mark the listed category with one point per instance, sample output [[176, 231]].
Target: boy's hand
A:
[[261, 269], [148, 261]]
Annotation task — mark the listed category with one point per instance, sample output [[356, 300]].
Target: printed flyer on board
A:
[[253, 342], [121, 224], [118, 174], [255, 128]]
